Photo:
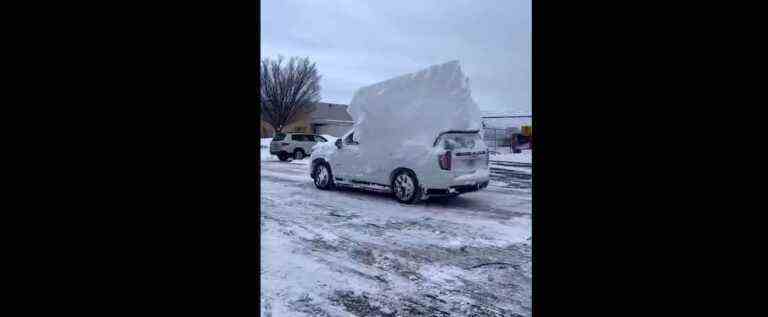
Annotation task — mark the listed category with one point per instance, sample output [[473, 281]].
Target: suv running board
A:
[[364, 185]]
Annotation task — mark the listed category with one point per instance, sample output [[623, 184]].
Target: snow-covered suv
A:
[[455, 163], [296, 145]]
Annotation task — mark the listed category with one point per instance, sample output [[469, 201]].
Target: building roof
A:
[[330, 112]]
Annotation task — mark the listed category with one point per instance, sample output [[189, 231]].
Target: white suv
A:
[[296, 145], [457, 163]]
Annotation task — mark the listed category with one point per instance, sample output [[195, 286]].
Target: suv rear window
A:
[[279, 137], [461, 141]]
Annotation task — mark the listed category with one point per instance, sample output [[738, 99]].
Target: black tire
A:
[[282, 156], [403, 180], [299, 154], [317, 174]]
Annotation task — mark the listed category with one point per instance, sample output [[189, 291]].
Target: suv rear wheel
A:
[[282, 156], [406, 187]]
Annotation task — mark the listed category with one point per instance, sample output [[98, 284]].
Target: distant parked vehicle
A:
[[294, 145]]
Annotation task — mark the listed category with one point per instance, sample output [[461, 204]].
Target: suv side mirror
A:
[[338, 143]]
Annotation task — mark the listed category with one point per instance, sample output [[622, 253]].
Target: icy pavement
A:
[[346, 252]]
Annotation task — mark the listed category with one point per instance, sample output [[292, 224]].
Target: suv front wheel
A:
[[323, 176], [299, 154]]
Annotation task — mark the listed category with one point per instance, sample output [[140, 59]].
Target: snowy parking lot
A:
[[348, 252]]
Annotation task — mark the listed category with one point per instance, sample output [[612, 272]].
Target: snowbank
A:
[[405, 114], [522, 157], [265, 143]]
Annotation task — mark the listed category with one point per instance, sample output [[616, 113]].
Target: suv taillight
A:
[[445, 161]]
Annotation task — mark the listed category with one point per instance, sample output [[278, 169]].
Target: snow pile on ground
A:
[[265, 143], [412, 110], [265, 155], [522, 157]]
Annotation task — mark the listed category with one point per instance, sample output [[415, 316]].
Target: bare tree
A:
[[287, 90]]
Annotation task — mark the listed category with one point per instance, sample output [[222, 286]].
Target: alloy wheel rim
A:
[[322, 176], [404, 187]]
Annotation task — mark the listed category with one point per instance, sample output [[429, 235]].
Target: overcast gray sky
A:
[[357, 43]]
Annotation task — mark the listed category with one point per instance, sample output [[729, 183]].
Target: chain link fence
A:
[[499, 131], [498, 139]]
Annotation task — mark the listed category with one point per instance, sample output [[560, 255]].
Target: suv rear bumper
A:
[[458, 189]]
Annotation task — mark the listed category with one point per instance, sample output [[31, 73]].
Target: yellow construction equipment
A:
[[527, 130]]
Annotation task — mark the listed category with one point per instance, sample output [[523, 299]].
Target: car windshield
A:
[[461, 141], [279, 137]]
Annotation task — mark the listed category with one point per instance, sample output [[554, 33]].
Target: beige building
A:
[[302, 124], [327, 118]]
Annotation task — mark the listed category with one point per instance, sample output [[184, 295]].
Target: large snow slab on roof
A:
[[413, 109]]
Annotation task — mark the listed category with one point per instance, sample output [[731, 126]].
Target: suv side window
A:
[[320, 139], [310, 138], [297, 137]]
